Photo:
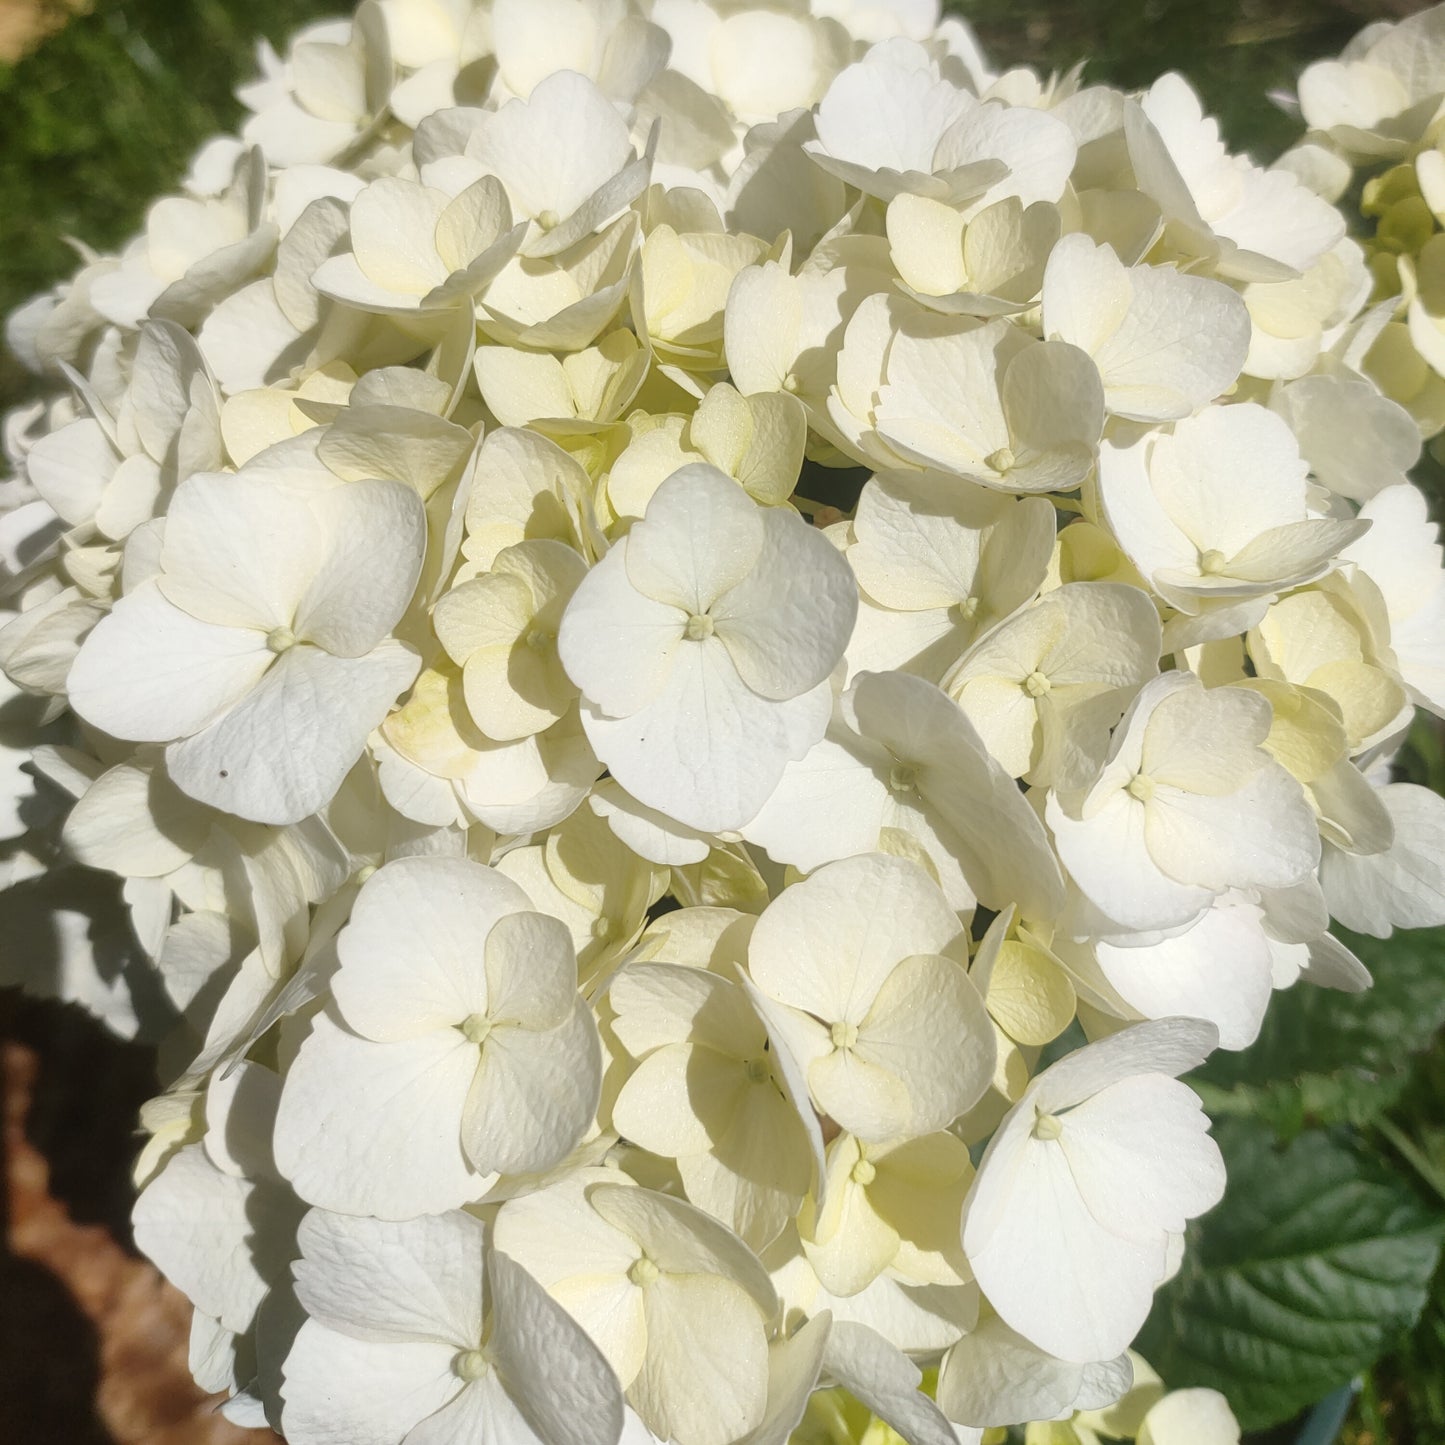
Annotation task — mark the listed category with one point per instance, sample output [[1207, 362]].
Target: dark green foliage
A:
[[1317, 1261], [1327, 1058], [104, 117], [1234, 52]]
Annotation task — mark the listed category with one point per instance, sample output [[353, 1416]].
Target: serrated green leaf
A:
[[1326, 1058], [1317, 1260]]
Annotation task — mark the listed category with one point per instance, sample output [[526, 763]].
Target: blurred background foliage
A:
[[103, 115]]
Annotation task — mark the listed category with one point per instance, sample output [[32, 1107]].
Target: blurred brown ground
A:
[[25, 23], [92, 1339]]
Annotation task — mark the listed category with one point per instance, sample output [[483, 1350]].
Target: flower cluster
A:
[[1147, 1414], [1376, 119], [710, 644]]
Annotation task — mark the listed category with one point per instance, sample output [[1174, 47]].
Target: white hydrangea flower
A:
[[1398, 887], [260, 649], [985, 403], [501, 629], [1378, 99], [743, 1155], [781, 331], [608, 41], [194, 252], [664, 1291], [435, 766], [1165, 499], [115, 472], [938, 563], [1250, 224], [758, 440], [704, 670], [941, 142], [891, 1207], [563, 156], [1187, 805], [759, 60], [1103, 1160], [1401, 557], [415, 248], [453, 1003], [917, 152], [1042, 690], [311, 106], [216, 1217], [902, 765], [417, 1331], [1333, 639], [1165, 343], [854, 1007]]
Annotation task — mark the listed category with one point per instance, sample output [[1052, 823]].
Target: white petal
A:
[[561, 1383], [1108, 858], [679, 1099], [367, 1128], [342, 1391], [393, 233], [617, 645], [794, 1364], [282, 753], [887, 1382], [1143, 1129], [828, 805], [787, 623], [929, 1028], [707, 750], [534, 1095], [150, 672], [132, 822], [1261, 835], [1190, 1417], [70, 467], [1402, 887], [1165, 343], [1053, 1273], [1002, 847], [239, 550], [531, 971], [419, 1279], [412, 955], [375, 537], [705, 1376], [993, 1376], [196, 1223], [1217, 970], [1167, 1046], [700, 537]]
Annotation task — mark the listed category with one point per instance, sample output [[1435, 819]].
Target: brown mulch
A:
[[92, 1339]]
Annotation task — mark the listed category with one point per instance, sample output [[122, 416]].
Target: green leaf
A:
[[1317, 1260], [1325, 1057]]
